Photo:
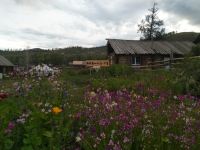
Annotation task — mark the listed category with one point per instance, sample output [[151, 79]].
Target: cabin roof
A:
[[5, 62], [150, 47]]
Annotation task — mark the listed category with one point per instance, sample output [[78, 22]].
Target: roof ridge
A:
[[150, 40], [150, 47]]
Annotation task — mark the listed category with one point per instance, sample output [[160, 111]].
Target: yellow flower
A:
[[56, 110]]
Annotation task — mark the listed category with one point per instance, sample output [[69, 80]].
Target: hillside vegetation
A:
[[56, 57], [183, 36]]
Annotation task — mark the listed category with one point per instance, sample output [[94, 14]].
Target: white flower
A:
[[46, 105], [78, 139], [92, 94], [114, 104], [95, 145], [39, 104], [175, 97]]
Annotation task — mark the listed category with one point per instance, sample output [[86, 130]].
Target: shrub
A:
[[196, 50], [116, 70], [188, 75]]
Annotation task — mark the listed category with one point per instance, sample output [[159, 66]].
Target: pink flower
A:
[[104, 122], [111, 143], [103, 136], [10, 127], [126, 140], [181, 98], [116, 147]]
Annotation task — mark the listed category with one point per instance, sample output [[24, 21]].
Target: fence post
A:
[[171, 59]]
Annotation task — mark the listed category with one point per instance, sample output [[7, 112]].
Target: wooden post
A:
[[171, 58]]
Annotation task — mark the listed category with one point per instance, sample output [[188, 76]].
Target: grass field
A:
[[113, 109]]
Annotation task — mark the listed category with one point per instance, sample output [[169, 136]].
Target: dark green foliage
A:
[[196, 50], [116, 70], [188, 75]]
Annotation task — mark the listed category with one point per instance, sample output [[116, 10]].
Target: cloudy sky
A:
[[62, 23]]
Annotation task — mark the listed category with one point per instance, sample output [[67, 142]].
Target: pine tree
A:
[[151, 27]]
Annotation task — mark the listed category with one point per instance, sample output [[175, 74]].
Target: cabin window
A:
[[136, 60]]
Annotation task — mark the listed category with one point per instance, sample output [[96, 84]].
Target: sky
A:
[[87, 23]]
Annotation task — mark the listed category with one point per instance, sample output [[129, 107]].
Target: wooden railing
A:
[[164, 63]]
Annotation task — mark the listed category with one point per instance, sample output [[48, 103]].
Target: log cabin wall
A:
[[124, 59], [127, 59]]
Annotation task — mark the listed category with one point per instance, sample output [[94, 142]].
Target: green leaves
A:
[[48, 134], [29, 147], [165, 140], [8, 144]]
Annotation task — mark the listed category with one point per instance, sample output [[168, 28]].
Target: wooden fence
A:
[[163, 64]]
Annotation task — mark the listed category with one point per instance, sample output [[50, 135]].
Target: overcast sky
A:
[[63, 23]]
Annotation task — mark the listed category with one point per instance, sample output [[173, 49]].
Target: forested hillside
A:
[[55, 56]]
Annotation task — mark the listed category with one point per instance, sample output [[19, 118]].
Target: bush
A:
[[196, 50], [116, 70], [188, 75]]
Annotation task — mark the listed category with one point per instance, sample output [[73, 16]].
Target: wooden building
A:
[[5, 65], [138, 53]]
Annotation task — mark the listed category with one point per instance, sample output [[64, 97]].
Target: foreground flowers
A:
[[128, 120], [10, 127], [56, 110], [3, 96]]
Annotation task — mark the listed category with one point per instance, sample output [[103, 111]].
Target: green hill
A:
[[54, 56], [183, 36]]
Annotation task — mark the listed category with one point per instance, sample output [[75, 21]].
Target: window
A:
[[136, 60]]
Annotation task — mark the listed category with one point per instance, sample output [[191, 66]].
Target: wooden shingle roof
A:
[[150, 47], [5, 62]]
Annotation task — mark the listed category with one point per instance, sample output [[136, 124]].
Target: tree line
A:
[[56, 57]]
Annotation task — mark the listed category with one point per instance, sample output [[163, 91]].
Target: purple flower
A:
[[111, 143], [10, 127], [104, 122], [181, 98]]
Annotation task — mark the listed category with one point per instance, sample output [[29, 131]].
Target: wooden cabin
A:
[[5, 65], [138, 53]]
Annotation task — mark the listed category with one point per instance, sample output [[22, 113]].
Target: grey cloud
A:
[[32, 32], [188, 9], [104, 11], [57, 23]]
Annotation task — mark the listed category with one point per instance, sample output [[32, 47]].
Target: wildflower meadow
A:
[[113, 109]]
